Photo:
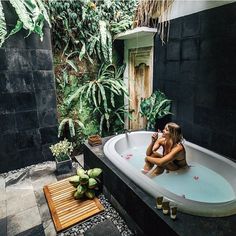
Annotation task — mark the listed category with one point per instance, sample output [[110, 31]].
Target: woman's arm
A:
[[167, 158], [150, 147]]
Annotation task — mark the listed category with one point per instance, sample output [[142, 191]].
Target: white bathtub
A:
[[115, 148]]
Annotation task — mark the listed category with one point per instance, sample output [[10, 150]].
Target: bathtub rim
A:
[[184, 205]]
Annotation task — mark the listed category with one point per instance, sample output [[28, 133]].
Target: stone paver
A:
[[3, 209], [24, 210], [19, 200], [49, 228], [23, 221], [2, 189], [3, 226]]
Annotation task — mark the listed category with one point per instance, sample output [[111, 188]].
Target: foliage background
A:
[[82, 39]]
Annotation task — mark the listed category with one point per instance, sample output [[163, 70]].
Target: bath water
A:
[[197, 183]]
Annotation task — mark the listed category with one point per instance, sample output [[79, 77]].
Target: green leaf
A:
[[3, 27], [71, 63], [82, 51]]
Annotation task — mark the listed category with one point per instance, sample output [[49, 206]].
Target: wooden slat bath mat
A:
[[65, 210]]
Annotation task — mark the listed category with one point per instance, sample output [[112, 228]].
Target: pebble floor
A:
[[108, 215]]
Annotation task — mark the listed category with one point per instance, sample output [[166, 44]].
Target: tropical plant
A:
[[155, 107], [85, 28], [62, 150], [31, 16], [102, 93]]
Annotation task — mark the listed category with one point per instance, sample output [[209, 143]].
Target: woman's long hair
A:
[[175, 132]]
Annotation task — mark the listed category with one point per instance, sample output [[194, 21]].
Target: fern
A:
[[3, 28], [23, 14]]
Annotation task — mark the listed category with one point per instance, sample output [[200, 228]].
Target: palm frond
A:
[[23, 14], [3, 27]]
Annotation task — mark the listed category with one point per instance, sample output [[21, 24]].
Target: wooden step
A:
[[65, 210]]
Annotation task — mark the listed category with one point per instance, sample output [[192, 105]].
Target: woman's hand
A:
[[154, 137]]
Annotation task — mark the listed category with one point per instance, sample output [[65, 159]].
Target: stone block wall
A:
[[28, 116], [197, 70]]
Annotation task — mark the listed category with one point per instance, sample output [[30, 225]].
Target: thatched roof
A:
[[153, 13]]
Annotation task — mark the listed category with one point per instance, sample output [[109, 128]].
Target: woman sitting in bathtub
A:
[[174, 156]]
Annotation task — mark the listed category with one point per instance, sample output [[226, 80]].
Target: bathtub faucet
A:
[[127, 131]]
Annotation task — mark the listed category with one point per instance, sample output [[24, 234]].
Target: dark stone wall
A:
[[197, 69], [28, 117]]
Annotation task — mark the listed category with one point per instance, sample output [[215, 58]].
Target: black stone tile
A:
[[214, 48], [47, 154], [19, 60], [219, 138], [16, 41], [49, 134], [3, 59], [201, 136], [176, 28], [186, 92], [34, 41], [172, 70], [191, 25], [205, 95], [171, 89], [210, 71], [203, 117], [6, 101], [213, 24], [160, 50], [46, 99], [44, 80], [20, 82], [27, 120], [8, 123], [226, 97], [35, 231], [186, 111], [228, 118], [4, 82], [160, 69], [8, 161], [104, 228], [28, 139], [173, 50], [190, 49], [42, 59], [29, 156], [47, 118], [187, 129], [3, 223], [8, 143], [24, 101]]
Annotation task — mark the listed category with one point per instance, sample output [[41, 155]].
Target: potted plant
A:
[[62, 151], [155, 107]]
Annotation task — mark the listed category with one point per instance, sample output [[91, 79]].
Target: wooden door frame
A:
[[131, 67]]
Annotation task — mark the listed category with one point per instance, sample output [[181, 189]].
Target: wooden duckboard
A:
[[65, 210]]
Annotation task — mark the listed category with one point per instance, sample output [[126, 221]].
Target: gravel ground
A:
[[108, 214]]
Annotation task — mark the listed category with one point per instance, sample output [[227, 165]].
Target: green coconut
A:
[[84, 179], [90, 194], [80, 171], [93, 173], [92, 183], [74, 180], [81, 189], [78, 195]]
